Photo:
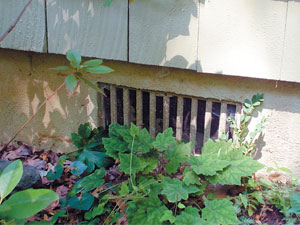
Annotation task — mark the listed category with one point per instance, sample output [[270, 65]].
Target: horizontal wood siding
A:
[[291, 62], [250, 38], [88, 27], [242, 37], [29, 33], [164, 33]]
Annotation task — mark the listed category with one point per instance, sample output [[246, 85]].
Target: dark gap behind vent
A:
[[120, 108], [187, 106], [230, 112], [215, 120], [107, 107], [200, 125], [173, 114], [132, 105], [146, 109], [159, 114]]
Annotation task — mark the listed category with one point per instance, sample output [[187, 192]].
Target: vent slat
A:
[[208, 110], [193, 127], [101, 111], [222, 123], [179, 119], [113, 105], [166, 112], [126, 106], [139, 108], [152, 114], [238, 113]]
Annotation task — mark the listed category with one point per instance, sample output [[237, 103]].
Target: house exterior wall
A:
[[25, 81], [257, 38]]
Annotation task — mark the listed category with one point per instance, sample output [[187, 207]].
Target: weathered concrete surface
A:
[[25, 81]]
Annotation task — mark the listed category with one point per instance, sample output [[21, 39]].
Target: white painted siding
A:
[[29, 33], [242, 37], [88, 27], [164, 32], [291, 60], [249, 38]]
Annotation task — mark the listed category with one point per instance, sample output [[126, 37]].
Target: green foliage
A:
[[175, 190], [77, 67], [9, 178], [23, 204], [162, 182], [219, 211], [90, 150]]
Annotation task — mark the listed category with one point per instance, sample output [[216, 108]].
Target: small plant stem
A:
[[3, 36], [176, 205], [130, 165], [34, 114]]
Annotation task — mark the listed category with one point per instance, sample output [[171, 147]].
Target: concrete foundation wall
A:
[[25, 81]]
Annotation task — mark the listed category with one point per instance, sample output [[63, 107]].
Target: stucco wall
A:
[[25, 81]]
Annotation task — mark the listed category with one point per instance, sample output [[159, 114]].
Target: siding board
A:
[[164, 33], [241, 37], [29, 33], [88, 27], [291, 65]]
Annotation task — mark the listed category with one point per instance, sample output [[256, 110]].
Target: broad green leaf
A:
[[176, 155], [136, 164], [219, 211], [78, 167], [99, 69], [113, 146], [175, 190], [190, 177], [164, 140], [207, 164], [244, 200], [150, 161], [168, 216], [26, 203], [143, 142], [85, 130], [295, 203], [90, 84], [10, 178], [149, 211], [74, 58], [61, 68], [189, 216], [134, 130], [92, 63], [70, 82], [124, 189], [92, 181], [217, 147], [56, 174], [180, 205], [84, 203], [92, 158], [237, 169]]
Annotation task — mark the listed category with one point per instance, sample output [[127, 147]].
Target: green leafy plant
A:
[[90, 150], [23, 204]]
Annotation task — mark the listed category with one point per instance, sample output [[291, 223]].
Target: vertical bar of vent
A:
[[207, 123], [106, 102], [113, 105], [222, 123], [126, 106], [173, 113], [139, 108], [146, 109], [179, 119], [200, 125], [159, 114], [238, 113], [101, 112], [152, 114], [166, 112], [193, 126]]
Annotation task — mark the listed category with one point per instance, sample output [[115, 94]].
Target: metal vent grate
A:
[[191, 118]]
